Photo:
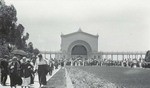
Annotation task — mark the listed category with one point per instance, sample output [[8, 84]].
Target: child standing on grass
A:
[[26, 73]]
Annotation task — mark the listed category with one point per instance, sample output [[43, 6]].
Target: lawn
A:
[[118, 76], [83, 79]]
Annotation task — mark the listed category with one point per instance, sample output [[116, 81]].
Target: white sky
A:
[[122, 25]]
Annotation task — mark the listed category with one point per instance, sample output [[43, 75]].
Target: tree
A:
[[7, 20], [2, 2], [11, 32], [147, 56]]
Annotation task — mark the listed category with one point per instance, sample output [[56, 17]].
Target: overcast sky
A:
[[122, 25]]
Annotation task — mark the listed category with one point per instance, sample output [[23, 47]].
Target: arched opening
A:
[[79, 50], [78, 53]]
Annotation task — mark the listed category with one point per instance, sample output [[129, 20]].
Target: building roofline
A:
[[79, 31]]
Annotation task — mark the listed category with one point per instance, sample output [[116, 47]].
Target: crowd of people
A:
[[107, 62], [22, 70]]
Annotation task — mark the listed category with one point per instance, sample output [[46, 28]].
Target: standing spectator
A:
[[32, 71], [56, 64], [41, 67], [14, 70], [62, 63], [51, 65], [4, 70], [26, 72]]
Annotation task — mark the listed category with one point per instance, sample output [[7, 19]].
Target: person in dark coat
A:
[[51, 65], [32, 72], [4, 70], [26, 70], [14, 70], [56, 64], [62, 63]]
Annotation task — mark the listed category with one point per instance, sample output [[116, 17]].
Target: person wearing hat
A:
[[26, 69], [14, 68], [4, 69], [41, 67]]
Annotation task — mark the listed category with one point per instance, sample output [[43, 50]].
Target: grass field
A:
[[127, 77], [84, 79]]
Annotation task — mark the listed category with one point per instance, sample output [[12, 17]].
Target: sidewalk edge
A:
[[68, 80]]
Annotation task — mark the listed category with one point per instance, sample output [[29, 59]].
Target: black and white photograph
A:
[[74, 44]]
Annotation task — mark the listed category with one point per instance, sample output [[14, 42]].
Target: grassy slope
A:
[[58, 80], [128, 77], [83, 79]]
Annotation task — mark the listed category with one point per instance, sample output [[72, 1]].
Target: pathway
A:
[[36, 82]]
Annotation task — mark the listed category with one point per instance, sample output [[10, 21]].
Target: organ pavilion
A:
[[83, 46]]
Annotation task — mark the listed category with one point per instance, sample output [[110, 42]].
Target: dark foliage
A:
[[12, 33]]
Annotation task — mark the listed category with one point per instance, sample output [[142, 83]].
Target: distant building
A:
[[79, 44], [82, 46]]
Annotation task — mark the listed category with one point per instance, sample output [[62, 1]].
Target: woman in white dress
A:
[[41, 67]]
